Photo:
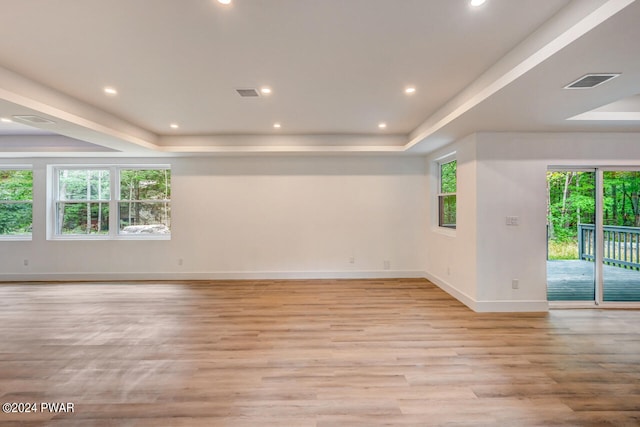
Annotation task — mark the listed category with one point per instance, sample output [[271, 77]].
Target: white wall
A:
[[510, 171], [511, 182], [251, 217], [451, 254], [296, 216]]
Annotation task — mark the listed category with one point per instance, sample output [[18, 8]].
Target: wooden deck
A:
[[309, 353], [574, 281]]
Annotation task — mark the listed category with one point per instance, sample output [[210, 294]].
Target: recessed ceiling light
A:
[[5, 120], [277, 125], [410, 90], [265, 90], [476, 3], [224, 1], [382, 125], [110, 91], [174, 126]]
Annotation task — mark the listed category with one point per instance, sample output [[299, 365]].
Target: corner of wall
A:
[[451, 254]]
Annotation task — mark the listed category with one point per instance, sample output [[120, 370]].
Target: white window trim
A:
[[23, 237], [447, 158], [114, 185]]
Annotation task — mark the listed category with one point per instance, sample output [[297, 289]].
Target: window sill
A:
[[16, 238], [445, 231], [109, 238]]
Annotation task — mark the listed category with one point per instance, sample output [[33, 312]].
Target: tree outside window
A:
[[144, 205], [447, 194], [82, 205], [16, 202], [87, 199]]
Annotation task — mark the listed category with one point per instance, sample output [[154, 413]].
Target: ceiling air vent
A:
[[591, 80], [34, 119], [247, 93]]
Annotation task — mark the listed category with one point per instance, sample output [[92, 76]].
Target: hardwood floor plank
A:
[[397, 352]]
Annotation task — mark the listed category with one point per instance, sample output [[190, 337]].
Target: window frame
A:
[[19, 237], [113, 202], [440, 195]]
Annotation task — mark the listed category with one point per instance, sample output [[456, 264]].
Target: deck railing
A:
[[621, 245]]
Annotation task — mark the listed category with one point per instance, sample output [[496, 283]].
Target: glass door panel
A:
[[571, 235], [621, 236]]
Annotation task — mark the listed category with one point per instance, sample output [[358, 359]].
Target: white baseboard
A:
[[224, 275], [511, 306], [501, 306], [460, 296]]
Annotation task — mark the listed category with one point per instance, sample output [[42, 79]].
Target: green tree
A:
[[16, 193], [145, 195], [621, 190], [570, 203], [83, 196]]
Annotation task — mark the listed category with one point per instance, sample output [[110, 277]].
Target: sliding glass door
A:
[[571, 212], [621, 236], [593, 235]]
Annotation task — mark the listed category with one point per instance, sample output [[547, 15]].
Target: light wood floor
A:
[[309, 353]]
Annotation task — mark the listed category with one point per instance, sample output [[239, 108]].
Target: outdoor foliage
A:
[[145, 195], [448, 201], [83, 201], [448, 178], [84, 195], [16, 192], [621, 193], [571, 201]]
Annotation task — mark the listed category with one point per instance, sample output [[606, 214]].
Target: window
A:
[[82, 202], [16, 203], [447, 187], [143, 206], [112, 202]]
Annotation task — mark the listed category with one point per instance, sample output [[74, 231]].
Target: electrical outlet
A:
[[448, 271], [387, 265], [352, 260], [180, 261], [515, 284], [25, 262]]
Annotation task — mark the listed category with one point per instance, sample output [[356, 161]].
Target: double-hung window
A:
[[82, 202], [110, 202], [447, 188], [16, 202]]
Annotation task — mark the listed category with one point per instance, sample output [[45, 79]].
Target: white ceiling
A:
[[337, 68]]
